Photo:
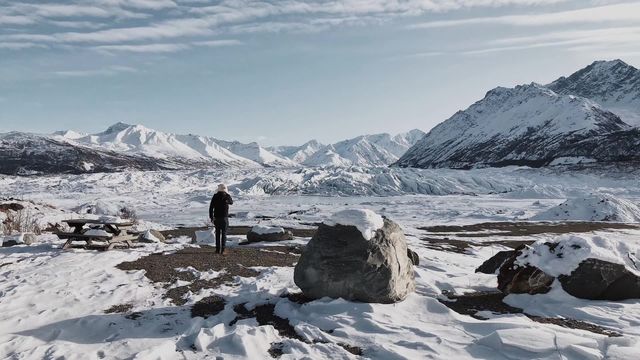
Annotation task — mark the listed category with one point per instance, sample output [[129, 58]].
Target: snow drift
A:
[[594, 207]]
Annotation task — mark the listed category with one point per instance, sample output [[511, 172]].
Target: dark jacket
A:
[[219, 207]]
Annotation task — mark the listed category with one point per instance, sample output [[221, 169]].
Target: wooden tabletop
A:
[[76, 222]]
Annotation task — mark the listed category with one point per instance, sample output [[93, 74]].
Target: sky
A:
[[284, 72]]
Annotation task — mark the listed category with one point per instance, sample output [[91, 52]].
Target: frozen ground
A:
[[54, 302]]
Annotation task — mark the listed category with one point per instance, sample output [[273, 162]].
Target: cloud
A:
[[622, 37], [108, 71], [164, 47], [20, 46], [143, 48], [193, 20], [217, 43], [609, 13]]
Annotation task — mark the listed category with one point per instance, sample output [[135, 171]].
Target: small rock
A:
[[151, 236], [268, 233]]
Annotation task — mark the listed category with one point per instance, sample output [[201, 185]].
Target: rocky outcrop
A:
[[593, 279], [339, 262]]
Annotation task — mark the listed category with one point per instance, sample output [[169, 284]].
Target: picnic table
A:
[[109, 233]]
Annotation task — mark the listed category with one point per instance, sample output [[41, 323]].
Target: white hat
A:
[[222, 188]]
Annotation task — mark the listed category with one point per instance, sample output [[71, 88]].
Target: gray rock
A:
[[339, 262], [20, 239], [253, 237], [593, 279], [148, 236], [597, 279]]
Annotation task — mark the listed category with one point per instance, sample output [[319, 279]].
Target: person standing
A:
[[219, 215]]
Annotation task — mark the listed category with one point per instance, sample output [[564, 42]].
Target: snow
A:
[[571, 250], [367, 221], [97, 232], [264, 230], [79, 285], [593, 207]]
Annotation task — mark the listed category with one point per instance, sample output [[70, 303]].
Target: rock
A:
[[151, 236], [413, 256], [492, 265], [597, 279], [11, 206], [20, 239], [592, 279], [516, 279], [339, 262], [268, 233]]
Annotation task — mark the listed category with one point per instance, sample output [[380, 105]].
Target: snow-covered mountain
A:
[[123, 146], [27, 154], [526, 125], [615, 85], [139, 140], [300, 153], [365, 150]]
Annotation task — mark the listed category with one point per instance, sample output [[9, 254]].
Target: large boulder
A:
[[364, 260], [584, 267], [260, 233]]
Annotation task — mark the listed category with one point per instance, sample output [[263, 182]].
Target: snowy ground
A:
[[53, 301]]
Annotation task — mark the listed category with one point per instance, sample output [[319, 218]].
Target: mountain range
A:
[[124, 146], [591, 116]]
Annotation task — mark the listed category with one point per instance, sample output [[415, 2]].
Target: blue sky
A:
[[284, 72]]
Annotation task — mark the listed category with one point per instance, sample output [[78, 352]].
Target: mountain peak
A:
[[608, 64], [117, 127], [615, 85]]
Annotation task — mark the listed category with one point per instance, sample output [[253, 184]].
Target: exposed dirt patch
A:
[[161, 268], [471, 304], [119, 309], [449, 235], [233, 230], [465, 246], [209, 306], [489, 229]]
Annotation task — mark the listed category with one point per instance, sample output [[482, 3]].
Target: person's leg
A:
[[216, 223], [225, 226]]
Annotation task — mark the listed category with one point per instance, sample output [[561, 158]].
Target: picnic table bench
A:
[[114, 233]]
